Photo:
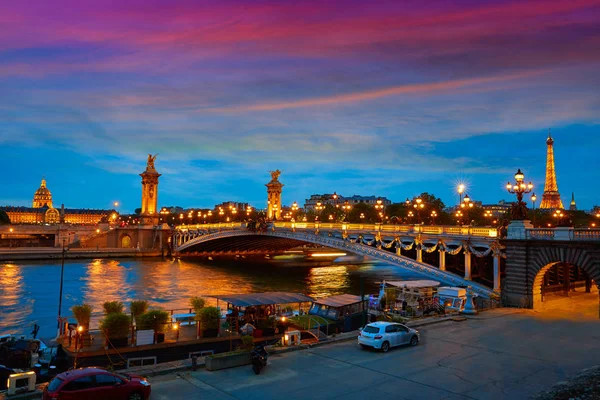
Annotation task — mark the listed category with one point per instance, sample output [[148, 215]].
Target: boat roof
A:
[[423, 283], [339, 300], [264, 299]]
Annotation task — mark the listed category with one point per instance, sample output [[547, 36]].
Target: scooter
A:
[[258, 357]]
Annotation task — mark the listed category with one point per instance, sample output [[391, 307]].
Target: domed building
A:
[[42, 196], [42, 211]]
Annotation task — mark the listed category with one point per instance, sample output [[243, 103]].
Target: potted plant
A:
[[197, 304], [138, 307], [113, 307], [82, 313], [116, 328], [156, 320], [209, 320]]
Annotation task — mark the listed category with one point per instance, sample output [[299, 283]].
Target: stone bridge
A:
[[369, 240], [526, 255]]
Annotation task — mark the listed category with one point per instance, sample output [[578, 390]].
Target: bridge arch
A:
[[549, 257], [342, 243]]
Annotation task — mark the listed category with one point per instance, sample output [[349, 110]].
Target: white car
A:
[[385, 335]]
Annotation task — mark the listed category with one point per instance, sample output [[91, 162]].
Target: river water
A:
[[29, 290]]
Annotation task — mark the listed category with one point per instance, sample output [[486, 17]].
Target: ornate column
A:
[[497, 253], [149, 214], [274, 188], [419, 248], [442, 251], [467, 263], [398, 247]]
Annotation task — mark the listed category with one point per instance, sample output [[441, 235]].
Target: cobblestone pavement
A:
[[501, 354]]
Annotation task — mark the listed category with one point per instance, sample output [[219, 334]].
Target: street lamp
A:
[[559, 215], [335, 199], [466, 205], [346, 207], [419, 205], [221, 213], [459, 215], [318, 207], [294, 209], [460, 190], [379, 207], [533, 199], [434, 215], [362, 217], [410, 214], [519, 188]]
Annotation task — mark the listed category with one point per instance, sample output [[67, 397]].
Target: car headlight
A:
[[145, 383]]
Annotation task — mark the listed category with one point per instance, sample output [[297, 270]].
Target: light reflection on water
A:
[[29, 290]]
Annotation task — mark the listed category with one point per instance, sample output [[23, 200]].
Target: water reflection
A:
[[14, 304], [167, 284]]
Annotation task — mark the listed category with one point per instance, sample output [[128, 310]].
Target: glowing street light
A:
[[380, 207], [434, 215], [460, 189], [318, 207], [519, 188]]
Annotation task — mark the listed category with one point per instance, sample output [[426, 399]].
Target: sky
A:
[[386, 98]]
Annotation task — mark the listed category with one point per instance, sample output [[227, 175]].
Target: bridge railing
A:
[[564, 233], [478, 231]]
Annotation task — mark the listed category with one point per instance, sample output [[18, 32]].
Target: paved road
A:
[[496, 356]]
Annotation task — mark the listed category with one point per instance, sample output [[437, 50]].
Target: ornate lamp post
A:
[[559, 215], [319, 207], [335, 199], [410, 215], [533, 199], [346, 207], [248, 211], [221, 213], [459, 215], [460, 189], [519, 210], [434, 215], [362, 217], [419, 205], [294, 209], [379, 207], [466, 205]]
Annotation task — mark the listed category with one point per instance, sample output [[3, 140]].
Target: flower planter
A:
[[222, 361]]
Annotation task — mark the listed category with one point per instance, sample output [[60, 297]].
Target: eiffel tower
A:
[[551, 197]]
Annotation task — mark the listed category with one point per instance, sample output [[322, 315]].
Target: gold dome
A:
[[42, 196]]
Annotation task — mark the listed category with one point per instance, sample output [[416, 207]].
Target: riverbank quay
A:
[[498, 354], [56, 253], [181, 366]]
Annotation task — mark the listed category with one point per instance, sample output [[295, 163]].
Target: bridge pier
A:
[[467, 264], [442, 259], [419, 253], [496, 272], [398, 249]]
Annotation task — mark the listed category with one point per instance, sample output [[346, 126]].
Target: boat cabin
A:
[[409, 298], [452, 298], [346, 310]]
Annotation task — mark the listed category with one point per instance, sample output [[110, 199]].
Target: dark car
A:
[[96, 384]]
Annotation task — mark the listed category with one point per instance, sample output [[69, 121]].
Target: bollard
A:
[[194, 363]]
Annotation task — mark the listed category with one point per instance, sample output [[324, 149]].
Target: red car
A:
[[96, 384]]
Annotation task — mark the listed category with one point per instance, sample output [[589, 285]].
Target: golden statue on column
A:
[[149, 215], [274, 188]]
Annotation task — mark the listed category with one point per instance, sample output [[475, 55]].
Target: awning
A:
[[340, 300], [414, 284], [264, 299]]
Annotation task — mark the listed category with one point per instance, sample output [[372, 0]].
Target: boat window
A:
[[323, 311], [54, 384], [314, 310], [457, 303], [332, 313], [371, 329]]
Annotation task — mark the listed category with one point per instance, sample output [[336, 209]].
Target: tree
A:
[[111, 307], [370, 214], [4, 219]]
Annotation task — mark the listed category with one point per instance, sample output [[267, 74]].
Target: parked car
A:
[[385, 335], [96, 384]]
